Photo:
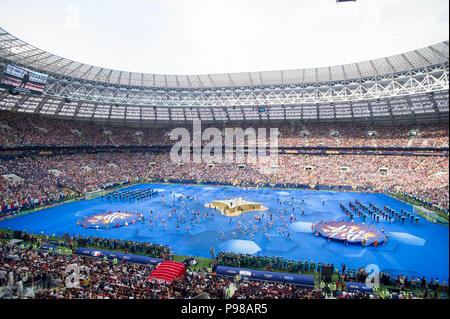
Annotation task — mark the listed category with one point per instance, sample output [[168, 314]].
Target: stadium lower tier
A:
[[48, 276], [40, 180]]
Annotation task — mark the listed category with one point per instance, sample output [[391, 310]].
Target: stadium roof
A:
[[411, 86], [22, 53]]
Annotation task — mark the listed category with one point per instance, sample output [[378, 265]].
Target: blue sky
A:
[[216, 36]]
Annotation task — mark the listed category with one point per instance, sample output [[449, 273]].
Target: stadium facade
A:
[[408, 87]]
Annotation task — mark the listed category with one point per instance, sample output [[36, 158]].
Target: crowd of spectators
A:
[[269, 290], [344, 273], [26, 272], [230, 259], [30, 273], [46, 179], [18, 129], [25, 130], [127, 246], [421, 177]]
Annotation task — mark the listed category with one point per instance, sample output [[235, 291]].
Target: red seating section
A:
[[168, 271]]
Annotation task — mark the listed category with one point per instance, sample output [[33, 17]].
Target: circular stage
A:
[[350, 232], [109, 220]]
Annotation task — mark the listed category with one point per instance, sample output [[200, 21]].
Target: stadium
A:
[[347, 199]]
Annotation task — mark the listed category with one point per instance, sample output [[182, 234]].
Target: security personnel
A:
[[375, 289], [322, 285], [105, 258], [228, 293], [379, 292], [331, 288], [327, 290], [115, 261]]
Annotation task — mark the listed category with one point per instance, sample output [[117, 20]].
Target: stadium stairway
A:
[[112, 141], [338, 141], [351, 181], [15, 137], [420, 164], [168, 271], [374, 141]]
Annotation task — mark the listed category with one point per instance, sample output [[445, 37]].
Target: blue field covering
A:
[[412, 249]]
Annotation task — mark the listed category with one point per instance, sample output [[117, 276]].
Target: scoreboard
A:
[[21, 79]]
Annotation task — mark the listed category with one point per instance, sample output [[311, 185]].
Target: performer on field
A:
[[25, 80]]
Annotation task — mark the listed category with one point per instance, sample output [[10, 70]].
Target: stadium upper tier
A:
[[389, 87], [22, 130]]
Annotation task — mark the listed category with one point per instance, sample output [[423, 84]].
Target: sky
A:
[[222, 36]]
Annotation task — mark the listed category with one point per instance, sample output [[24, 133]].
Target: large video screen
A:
[[22, 80]]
